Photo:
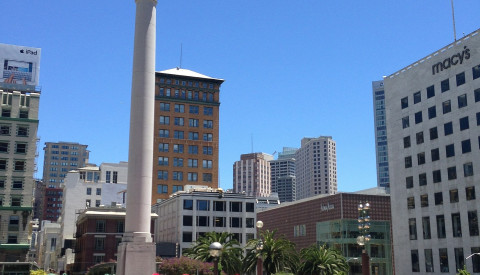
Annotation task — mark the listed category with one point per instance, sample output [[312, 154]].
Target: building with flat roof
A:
[[61, 157], [316, 167], [283, 178], [251, 174], [432, 118], [19, 97], [186, 131], [186, 215], [381, 150], [333, 220]]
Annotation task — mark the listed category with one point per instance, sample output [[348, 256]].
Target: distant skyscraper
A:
[[186, 131], [316, 167], [20, 98], [251, 174], [283, 175], [381, 149], [61, 157]]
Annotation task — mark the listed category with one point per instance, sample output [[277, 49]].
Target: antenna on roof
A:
[[181, 54], [453, 20]]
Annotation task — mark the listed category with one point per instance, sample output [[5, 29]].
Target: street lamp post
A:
[[468, 257], [259, 248], [364, 237], [215, 250]]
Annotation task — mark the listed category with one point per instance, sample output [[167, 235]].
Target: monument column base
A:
[[136, 255]]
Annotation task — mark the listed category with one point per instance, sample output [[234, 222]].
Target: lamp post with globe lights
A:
[[259, 248], [364, 234], [215, 250]]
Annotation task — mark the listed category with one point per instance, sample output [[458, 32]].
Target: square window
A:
[[448, 128], [432, 112], [417, 97], [409, 182], [424, 200], [462, 101], [460, 78], [447, 106], [418, 117], [464, 125], [466, 146], [445, 85], [421, 158], [411, 203], [435, 154], [404, 102], [450, 150], [438, 198], [406, 142], [476, 72], [408, 162], [419, 137], [453, 195], [433, 133], [405, 122], [470, 193], [422, 179], [468, 169], [452, 173], [437, 176]]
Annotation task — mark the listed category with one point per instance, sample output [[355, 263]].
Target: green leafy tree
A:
[[278, 254], [463, 271], [322, 261], [231, 259]]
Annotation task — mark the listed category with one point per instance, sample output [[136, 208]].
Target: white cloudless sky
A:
[[292, 69]]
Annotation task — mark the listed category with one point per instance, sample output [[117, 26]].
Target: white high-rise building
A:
[[251, 174], [316, 167], [433, 118]]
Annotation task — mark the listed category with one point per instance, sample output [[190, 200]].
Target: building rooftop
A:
[[189, 73]]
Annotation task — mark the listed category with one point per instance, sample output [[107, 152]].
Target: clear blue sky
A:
[[291, 68]]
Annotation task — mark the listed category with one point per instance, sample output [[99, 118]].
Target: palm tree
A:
[[278, 254], [231, 258], [322, 261]]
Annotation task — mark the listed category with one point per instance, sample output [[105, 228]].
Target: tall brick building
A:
[[186, 131]]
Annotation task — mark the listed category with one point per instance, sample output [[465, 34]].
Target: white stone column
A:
[[136, 253]]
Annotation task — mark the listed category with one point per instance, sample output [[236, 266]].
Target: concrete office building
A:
[[432, 123], [316, 167], [251, 175], [283, 178], [61, 157], [186, 215], [381, 149], [20, 98], [186, 131]]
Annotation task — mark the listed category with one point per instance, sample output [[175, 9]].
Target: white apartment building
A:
[[433, 118], [316, 167], [251, 175], [186, 215], [90, 186]]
